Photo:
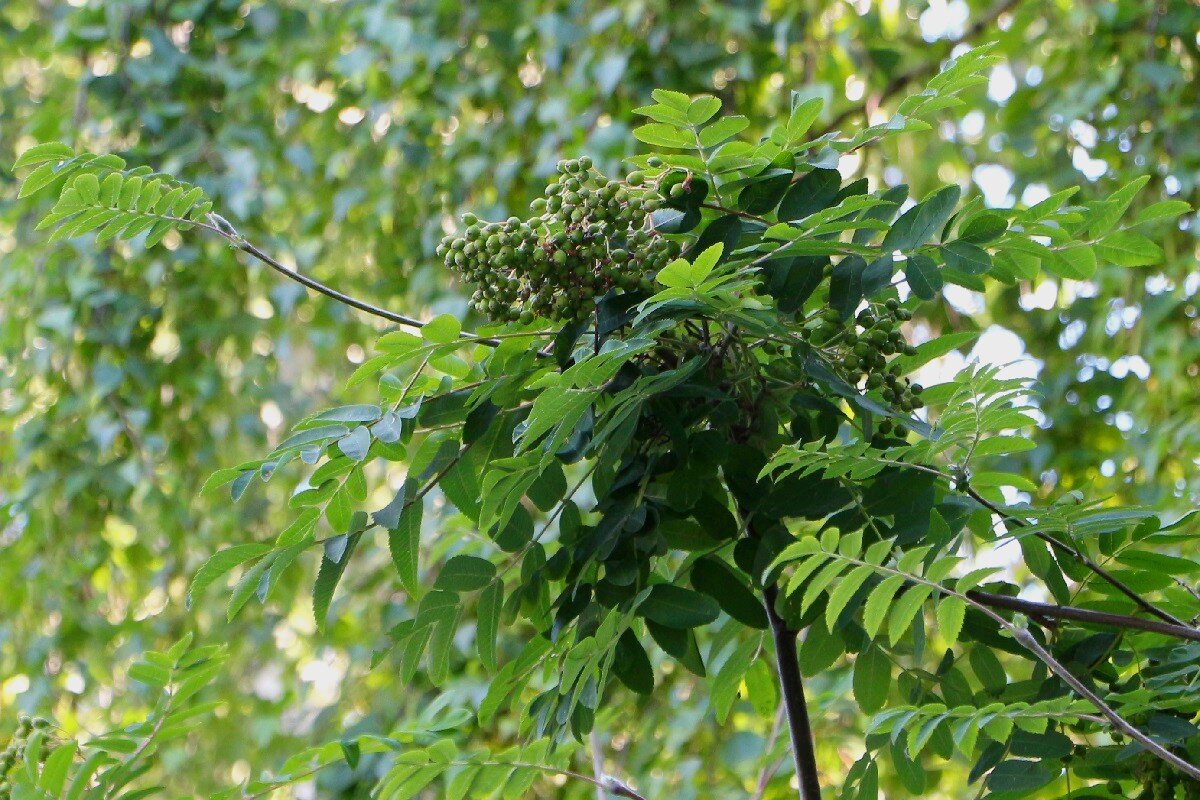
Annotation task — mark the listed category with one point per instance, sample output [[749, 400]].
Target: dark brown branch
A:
[[792, 686], [1049, 611], [1082, 558]]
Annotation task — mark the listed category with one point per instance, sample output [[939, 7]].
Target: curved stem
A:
[[328, 291], [224, 229], [792, 685]]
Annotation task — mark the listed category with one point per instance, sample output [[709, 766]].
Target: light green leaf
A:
[[950, 614], [840, 597], [222, 562], [41, 153], [702, 109], [1164, 209], [443, 329], [802, 118], [1128, 249], [662, 135], [905, 609], [872, 679], [879, 602]]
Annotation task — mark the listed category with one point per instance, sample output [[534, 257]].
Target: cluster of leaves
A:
[[41, 764], [99, 195], [678, 412]]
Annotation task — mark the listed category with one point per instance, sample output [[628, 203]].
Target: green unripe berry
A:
[[677, 190], [635, 178], [654, 162], [469, 219]]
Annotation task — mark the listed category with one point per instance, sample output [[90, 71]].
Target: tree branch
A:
[[1049, 611], [1082, 558], [221, 227], [792, 686], [1027, 640]]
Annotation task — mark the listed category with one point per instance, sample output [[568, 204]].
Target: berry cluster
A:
[[589, 235], [863, 348], [15, 751], [1161, 781]]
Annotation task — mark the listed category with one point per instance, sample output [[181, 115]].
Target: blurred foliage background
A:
[[346, 136]]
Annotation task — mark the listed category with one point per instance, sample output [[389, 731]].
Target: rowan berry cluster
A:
[[1161, 781], [588, 236], [863, 346], [13, 754]]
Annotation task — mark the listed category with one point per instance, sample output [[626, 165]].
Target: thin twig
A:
[[771, 767], [222, 228], [1027, 640], [597, 763], [317, 286]]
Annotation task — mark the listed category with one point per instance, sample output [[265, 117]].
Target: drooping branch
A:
[[1083, 559], [225, 230], [1041, 653], [792, 688]]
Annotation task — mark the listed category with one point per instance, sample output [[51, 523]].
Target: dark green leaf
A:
[[922, 222], [713, 577], [923, 276], [465, 573], [966, 257], [816, 191], [677, 607]]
